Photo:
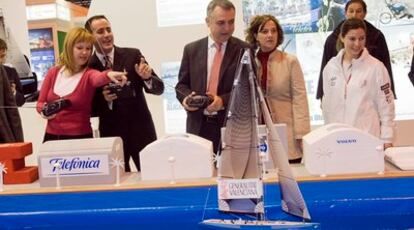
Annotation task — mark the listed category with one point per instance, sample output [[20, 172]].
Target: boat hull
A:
[[256, 224]]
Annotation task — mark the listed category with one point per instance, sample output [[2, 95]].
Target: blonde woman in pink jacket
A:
[[73, 81]]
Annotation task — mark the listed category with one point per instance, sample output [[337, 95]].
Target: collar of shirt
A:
[[211, 45], [211, 48], [101, 56], [66, 83]]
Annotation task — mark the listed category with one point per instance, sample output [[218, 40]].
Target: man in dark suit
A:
[[125, 113], [13, 76], [196, 69]]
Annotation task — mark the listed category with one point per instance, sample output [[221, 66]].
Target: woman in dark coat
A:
[[10, 123]]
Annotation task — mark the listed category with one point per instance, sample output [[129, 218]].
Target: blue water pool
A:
[[347, 204]]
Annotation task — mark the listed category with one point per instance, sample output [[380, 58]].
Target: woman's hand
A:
[[118, 77], [47, 117]]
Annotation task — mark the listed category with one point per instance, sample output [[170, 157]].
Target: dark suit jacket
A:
[[375, 43], [193, 76], [13, 76], [129, 118], [10, 123]]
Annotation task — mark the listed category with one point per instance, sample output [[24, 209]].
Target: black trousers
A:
[[131, 151], [53, 137]]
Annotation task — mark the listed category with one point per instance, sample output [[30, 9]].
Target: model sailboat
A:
[[240, 185]]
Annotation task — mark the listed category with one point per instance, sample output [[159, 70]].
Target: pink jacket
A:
[[74, 120]]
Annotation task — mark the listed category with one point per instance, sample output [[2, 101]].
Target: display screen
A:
[[42, 54]]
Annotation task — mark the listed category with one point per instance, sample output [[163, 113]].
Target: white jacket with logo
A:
[[365, 102]]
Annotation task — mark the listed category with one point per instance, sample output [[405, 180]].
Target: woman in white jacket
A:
[[358, 89]]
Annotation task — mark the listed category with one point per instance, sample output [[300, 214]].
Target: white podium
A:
[[402, 157], [80, 161], [342, 149], [181, 156]]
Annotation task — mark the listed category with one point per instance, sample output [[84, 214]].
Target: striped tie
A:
[[108, 63]]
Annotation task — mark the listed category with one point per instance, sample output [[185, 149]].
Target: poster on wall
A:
[[42, 53], [175, 114], [15, 57], [179, 13], [300, 16]]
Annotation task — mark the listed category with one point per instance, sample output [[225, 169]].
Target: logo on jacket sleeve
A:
[[386, 88]]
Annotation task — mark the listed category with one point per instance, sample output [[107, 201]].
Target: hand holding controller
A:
[[199, 101], [122, 92], [55, 106]]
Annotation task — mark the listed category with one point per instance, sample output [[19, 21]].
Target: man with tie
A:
[[124, 113], [207, 68]]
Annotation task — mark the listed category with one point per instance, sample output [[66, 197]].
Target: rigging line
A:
[[16, 107], [205, 204], [171, 86]]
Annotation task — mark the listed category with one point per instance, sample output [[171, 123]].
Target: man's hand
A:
[[185, 105], [216, 105], [143, 69], [109, 97]]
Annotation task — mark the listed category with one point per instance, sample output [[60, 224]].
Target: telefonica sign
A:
[[75, 165]]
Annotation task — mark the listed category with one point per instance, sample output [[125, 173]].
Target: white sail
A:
[[240, 156], [240, 160], [292, 199]]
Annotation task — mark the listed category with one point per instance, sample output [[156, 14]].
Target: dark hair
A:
[[3, 44], [224, 4], [257, 23], [363, 4], [88, 23], [349, 24]]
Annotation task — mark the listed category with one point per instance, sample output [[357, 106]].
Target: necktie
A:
[[108, 63], [215, 70]]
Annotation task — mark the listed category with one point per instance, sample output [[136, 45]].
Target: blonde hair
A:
[[74, 36]]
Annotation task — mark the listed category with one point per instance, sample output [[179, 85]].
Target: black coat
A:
[[10, 123], [13, 76], [129, 118], [375, 43]]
